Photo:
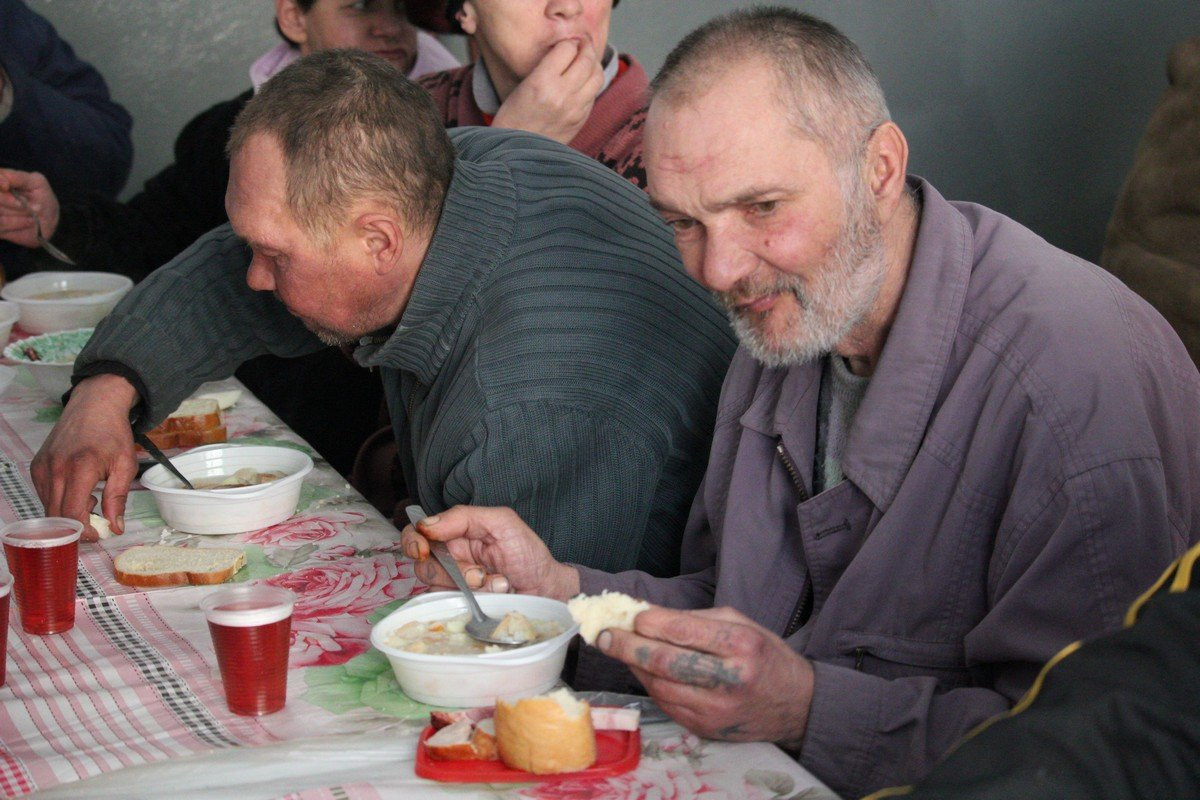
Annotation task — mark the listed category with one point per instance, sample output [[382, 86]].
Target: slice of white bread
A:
[[151, 565], [197, 421], [547, 734], [608, 609]]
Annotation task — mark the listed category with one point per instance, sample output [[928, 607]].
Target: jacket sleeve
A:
[[192, 321], [174, 208], [63, 122], [1118, 717], [1065, 571]]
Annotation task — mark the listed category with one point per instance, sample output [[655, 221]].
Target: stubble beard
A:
[[829, 305]]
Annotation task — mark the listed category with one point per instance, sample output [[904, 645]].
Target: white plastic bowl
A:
[[57, 351], [464, 681], [219, 511], [44, 316], [9, 314]]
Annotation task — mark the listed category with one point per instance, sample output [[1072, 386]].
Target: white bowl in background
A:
[[56, 358], [6, 377], [9, 314], [219, 511], [43, 315], [464, 681]]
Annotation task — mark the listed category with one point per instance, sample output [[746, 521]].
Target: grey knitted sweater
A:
[[553, 356]]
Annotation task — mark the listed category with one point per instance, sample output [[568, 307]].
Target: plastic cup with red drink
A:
[[251, 629], [5, 591], [43, 557]]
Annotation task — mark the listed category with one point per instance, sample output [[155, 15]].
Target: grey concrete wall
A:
[[1033, 107]]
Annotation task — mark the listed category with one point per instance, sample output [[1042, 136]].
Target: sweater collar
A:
[[488, 101], [472, 235]]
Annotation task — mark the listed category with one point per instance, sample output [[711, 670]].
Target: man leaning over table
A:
[[538, 342], [944, 450]]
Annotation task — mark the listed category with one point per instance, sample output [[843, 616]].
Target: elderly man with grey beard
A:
[[944, 451]]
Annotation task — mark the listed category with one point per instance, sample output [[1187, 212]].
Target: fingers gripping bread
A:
[[154, 565]]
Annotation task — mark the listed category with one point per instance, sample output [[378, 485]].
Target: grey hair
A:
[[833, 96], [351, 128]]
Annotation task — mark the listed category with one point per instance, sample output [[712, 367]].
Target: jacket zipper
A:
[[859, 652], [803, 606]]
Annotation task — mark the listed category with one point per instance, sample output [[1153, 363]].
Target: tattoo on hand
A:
[[642, 655], [730, 731], [705, 671]]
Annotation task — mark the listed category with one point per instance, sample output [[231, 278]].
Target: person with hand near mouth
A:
[[546, 66]]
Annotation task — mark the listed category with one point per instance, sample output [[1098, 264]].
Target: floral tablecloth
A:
[[129, 702]]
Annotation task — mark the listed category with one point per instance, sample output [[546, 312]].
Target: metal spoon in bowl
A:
[[480, 627], [160, 457]]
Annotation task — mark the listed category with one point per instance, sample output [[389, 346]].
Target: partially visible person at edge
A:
[[56, 117], [538, 340], [546, 66], [1115, 718], [330, 402], [1153, 239], [944, 450]]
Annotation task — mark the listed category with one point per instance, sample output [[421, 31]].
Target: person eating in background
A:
[[546, 66], [944, 450], [326, 399]]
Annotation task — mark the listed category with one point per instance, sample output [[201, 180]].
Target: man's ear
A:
[[382, 238], [887, 163], [468, 18], [291, 21]]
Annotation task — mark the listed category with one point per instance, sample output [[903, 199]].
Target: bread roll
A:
[[597, 612], [547, 734]]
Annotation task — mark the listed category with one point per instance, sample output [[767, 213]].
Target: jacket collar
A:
[[473, 233], [895, 412]]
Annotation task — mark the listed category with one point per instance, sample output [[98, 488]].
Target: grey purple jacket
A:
[[1026, 460]]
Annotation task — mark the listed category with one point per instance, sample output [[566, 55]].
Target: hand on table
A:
[[557, 96], [91, 442], [15, 223], [495, 550], [718, 673]]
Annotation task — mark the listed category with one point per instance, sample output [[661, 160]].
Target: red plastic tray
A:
[[616, 752]]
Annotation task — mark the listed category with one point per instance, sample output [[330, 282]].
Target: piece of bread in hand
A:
[[463, 741], [153, 565], [547, 734], [608, 609]]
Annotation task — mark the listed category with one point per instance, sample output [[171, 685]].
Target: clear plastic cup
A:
[[5, 590], [43, 557], [251, 627]]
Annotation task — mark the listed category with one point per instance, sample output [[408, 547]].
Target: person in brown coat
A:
[[1153, 239]]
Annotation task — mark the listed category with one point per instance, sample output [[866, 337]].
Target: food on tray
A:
[[604, 718], [547, 734], [449, 636], [608, 609], [463, 740], [151, 565], [197, 421], [246, 476]]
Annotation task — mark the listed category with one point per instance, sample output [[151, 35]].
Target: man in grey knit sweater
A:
[[538, 340]]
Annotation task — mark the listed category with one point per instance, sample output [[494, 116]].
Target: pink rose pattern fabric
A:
[[336, 591], [305, 529]]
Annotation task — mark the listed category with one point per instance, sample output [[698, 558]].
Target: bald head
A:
[[824, 82]]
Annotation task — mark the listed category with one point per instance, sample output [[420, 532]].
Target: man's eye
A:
[[682, 225], [764, 208]]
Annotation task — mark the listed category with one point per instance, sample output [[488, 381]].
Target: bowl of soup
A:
[[438, 671], [50, 358], [239, 488], [59, 301]]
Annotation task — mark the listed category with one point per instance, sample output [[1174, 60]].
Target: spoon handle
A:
[[442, 554], [160, 457]]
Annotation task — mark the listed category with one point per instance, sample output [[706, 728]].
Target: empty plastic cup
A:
[[5, 588], [43, 557], [251, 627]]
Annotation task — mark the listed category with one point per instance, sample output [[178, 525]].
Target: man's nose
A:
[[724, 262], [259, 276]]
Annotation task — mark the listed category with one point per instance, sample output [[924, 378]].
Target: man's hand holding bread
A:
[[715, 671], [92, 442]]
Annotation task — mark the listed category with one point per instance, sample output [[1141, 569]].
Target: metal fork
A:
[[43, 242]]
